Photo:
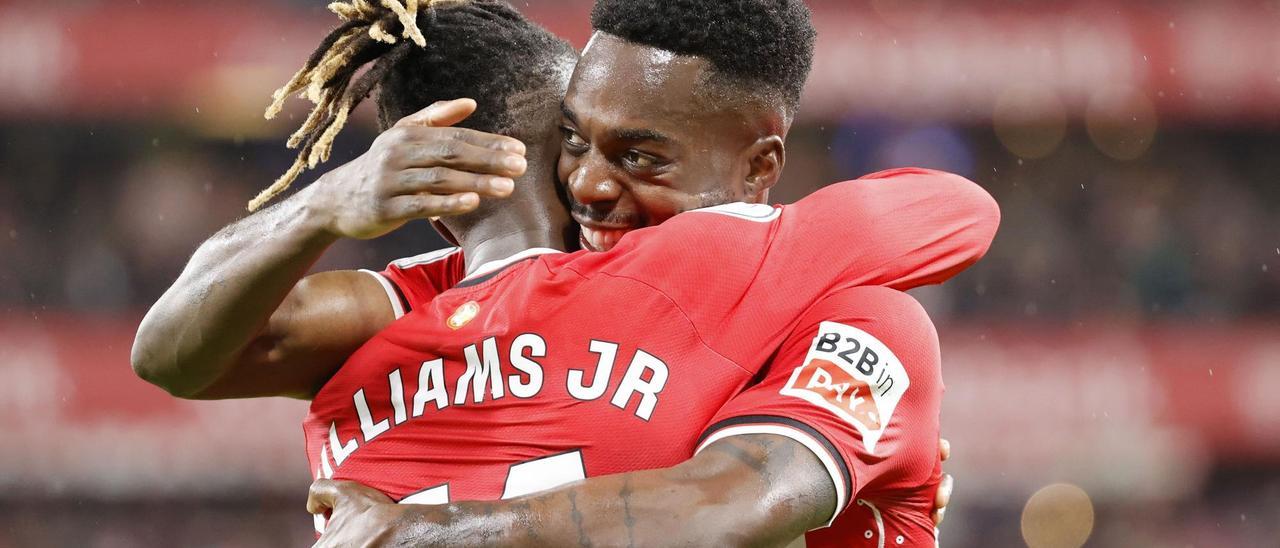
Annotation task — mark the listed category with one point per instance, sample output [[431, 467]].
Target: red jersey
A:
[[414, 281], [565, 366], [859, 382]]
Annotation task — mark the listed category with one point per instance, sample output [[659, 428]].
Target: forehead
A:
[[620, 83]]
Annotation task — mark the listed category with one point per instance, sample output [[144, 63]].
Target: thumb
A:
[[322, 496], [441, 114]]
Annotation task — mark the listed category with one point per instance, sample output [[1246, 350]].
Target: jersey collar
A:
[[486, 270]]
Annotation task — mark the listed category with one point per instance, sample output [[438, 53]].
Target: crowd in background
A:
[[101, 218], [1150, 223]]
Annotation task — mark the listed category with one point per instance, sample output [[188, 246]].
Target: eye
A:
[[639, 160], [572, 140]]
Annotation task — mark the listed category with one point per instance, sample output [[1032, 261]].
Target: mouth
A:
[[601, 238]]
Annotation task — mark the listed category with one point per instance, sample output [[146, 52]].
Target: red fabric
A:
[[707, 298], [899, 478], [420, 279]]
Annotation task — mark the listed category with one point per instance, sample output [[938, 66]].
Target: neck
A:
[[496, 240]]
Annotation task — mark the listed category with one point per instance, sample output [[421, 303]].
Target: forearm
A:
[[225, 296], [749, 491]]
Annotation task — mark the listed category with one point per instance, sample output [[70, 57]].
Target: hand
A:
[[361, 516], [943, 496], [421, 168]]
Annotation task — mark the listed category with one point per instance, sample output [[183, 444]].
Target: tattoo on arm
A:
[[749, 490], [576, 515], [628, 519]]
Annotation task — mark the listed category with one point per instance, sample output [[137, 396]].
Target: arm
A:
[[780, 459], [238, 322], [751, 490]]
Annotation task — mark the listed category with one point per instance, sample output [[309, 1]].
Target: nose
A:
[[593, 185]]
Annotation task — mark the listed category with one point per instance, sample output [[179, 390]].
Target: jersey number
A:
[[522, 479]]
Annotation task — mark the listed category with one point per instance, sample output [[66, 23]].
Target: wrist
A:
[[316, 214]]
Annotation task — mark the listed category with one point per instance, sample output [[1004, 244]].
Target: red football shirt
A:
[[414, 281], [859, 382], [566, 366]]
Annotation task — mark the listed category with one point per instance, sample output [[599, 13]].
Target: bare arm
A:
[[238, 322], [750, 490]]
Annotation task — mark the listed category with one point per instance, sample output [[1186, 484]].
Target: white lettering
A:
[[326, 471], [537, 348], [633, 382], [478, 368], [367, 426], [397, 397], [604, 368], [820, 379], [430, 387], [340, 450]]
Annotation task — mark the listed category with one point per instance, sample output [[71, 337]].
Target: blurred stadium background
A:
[[1113, 366]]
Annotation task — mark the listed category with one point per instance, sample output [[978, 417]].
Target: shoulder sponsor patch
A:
[[851, 373]]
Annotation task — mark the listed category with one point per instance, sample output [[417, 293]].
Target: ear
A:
[[766, 157]]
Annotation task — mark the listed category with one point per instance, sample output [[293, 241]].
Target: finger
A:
[[461, 156], [942, 498], [322, 496], [441, 114], [944, 449], [440, 180], [470, 136], [426, 206]]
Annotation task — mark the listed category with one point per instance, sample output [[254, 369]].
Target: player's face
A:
[[642, 143]]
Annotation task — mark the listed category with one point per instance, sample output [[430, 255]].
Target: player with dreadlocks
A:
[[752, 485], [242, 320]]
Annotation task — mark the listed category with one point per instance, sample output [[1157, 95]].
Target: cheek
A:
[[565, 167], [659, 204]]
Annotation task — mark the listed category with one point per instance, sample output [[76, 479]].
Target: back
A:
[[571, 366]]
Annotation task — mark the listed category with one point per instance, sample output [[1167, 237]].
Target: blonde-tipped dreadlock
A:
[[365, 35]]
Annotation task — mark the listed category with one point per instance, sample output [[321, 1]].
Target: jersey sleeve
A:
[[898, 229], [859, 384], [414, 281], [901, 228]]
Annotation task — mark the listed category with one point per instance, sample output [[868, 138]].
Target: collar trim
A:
[[494, 266]]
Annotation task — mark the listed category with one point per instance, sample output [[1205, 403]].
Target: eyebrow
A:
[[564, 109], [624, 134], [641, 135]]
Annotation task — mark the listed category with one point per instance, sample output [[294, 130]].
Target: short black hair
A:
[[483, 49], [754, 42]]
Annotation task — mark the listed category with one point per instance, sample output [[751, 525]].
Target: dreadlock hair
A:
[[422, 51], [764, 46]]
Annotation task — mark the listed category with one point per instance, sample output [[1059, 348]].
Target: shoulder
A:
[[956, 188], [883, 320], [439, 257], [885, 307], [760, 213]]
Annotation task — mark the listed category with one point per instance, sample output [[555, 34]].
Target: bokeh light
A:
[[1057, 516], [1122, 122], [1030, 120]]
